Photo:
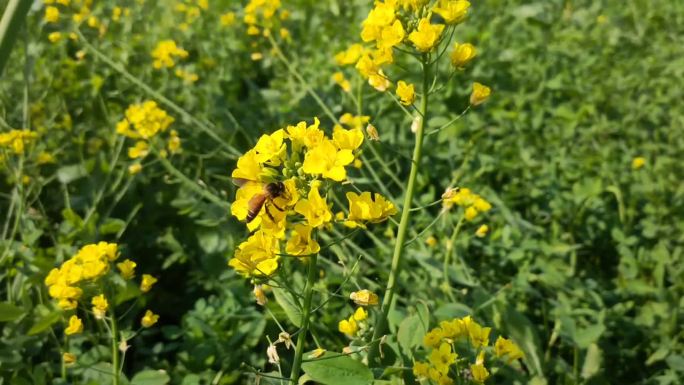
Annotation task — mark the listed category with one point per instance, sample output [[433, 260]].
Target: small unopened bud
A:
[[417, 121], [372, 132], [272, 354], [260, 295], [123, 346], [68, 358]]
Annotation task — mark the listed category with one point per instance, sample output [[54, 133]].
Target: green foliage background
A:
[[583, 266]]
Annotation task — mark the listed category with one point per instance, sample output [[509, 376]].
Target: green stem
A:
[[381, 321], [450, 249], [306, 313], [115, 351], [10, 25], [190, 184]]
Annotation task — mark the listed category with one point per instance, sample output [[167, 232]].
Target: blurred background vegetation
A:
[[583, 265]]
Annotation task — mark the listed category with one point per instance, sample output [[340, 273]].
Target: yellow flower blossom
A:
[[391, 35], [127, 269], [452, 11], [140, 150], [228, 19], [360, 314], [349, 56], [248, 167], [147, 282], [144, 121], [426, 36], [638, 162], [480, 94], [165, 52], [482, 231], [51, 14], [149, 319], [301, 242], [68, 358], [478, 370], [364, 297], [326, 160], [270, 149], [340, 80], [379, 81], [366, 66], [54, 37], [75, 326], [365, 207], [433, 338], [134, 168], [303, 135], [443, 357], [257, 256], [479, 336], [406, 93], [421, 369], [506, 347], [348, 327], [347, 139], [462, 54], [315, 208], [16, 140]]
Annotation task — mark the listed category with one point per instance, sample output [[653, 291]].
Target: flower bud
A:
[[372, 132]]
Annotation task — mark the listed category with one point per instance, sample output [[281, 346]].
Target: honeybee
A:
[[269, 192]]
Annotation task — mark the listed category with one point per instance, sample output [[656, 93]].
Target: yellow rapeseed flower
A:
[[315, 208], [506, 347], [257, 256], [349, 56], [149, 319], [326, 160], [480, 94], [147, 282], [127, 269], [462, 54], [638, 162], [406, 93], [51, 14], [482, 231], [348, 327], [426, 36], [301, 242], [165, 52], [100, 306], [75, 326], [364, 297], [360, 314], [340, 80], [453, 11]]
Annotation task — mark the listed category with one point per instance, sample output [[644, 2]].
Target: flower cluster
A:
[[191, 11], [81, 12], [85, 273], [16, 140], [471, 202], [282, 197], [442, 342], [165, 52], [356, 323], [143, 122], [262, 18], [415, 26]]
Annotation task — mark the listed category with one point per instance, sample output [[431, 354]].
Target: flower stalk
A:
[[115, 350], [381, 321], [306, 313]]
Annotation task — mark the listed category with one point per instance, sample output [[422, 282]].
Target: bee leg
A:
[[277, 207], [270, 216]]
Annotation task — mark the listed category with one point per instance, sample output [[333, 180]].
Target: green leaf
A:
[[410, 334], [10, 312], [112, 226], [340, 370], [588, 336], [592, 361], [289, 305], [150, 377], [44, 323], [68, 174]]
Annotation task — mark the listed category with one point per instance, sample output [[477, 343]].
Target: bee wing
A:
[[240, 181]]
